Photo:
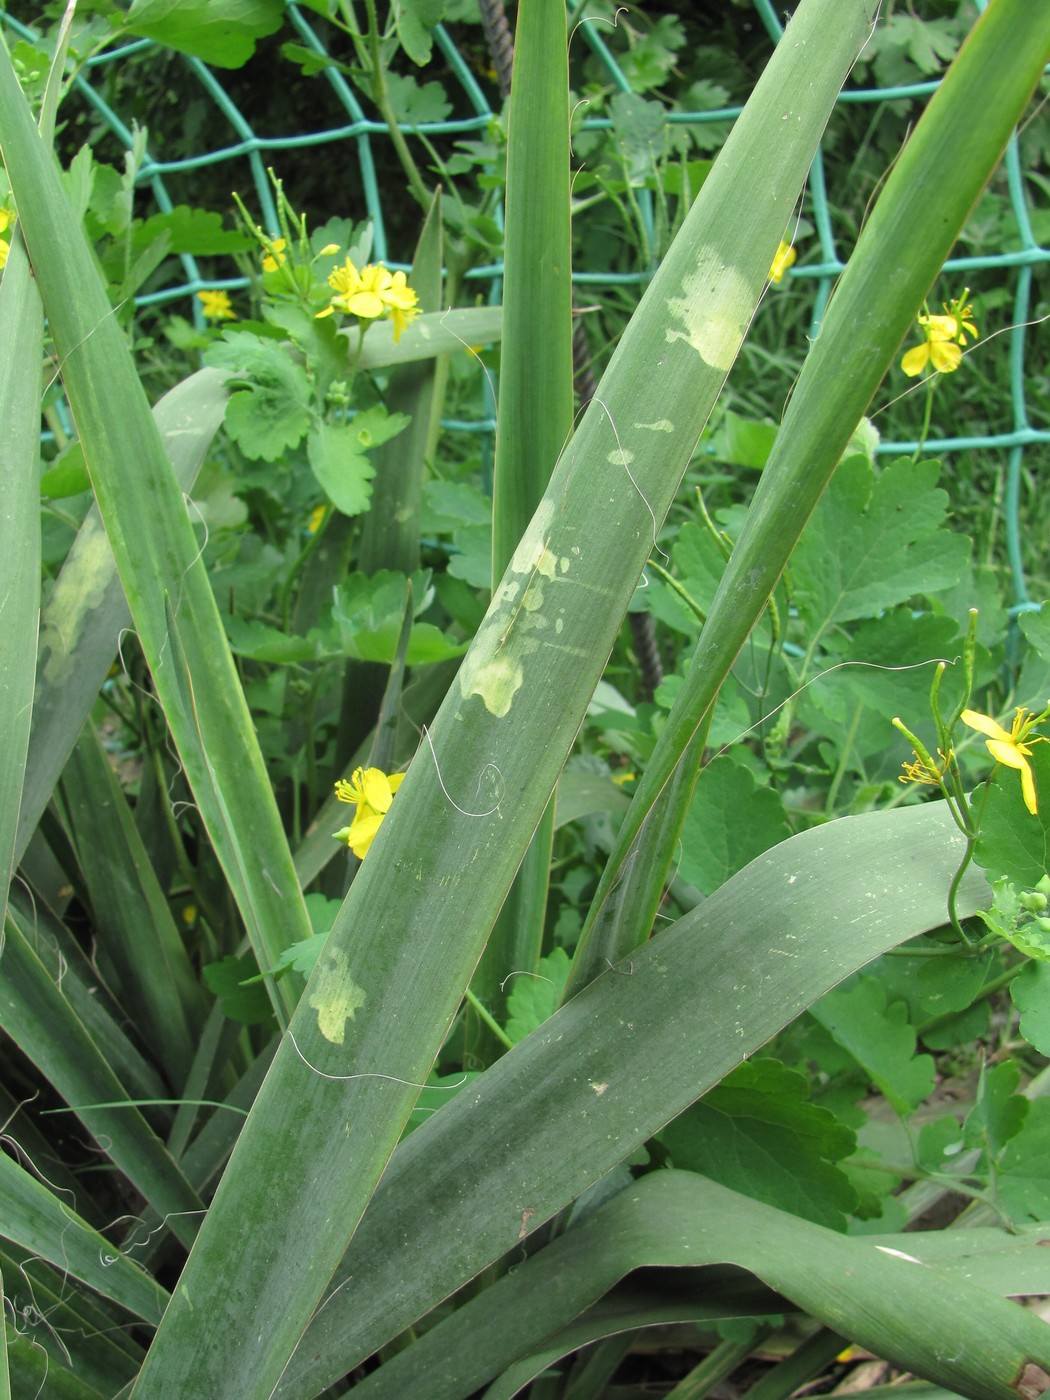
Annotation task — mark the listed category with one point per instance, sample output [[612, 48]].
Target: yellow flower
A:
[[6, 219], [216, 306], [5, 248], [275, 257], [316, 516], [785, 256], [943, 337], [371, 791], [926, 769], [1013, 748], [371, 293]]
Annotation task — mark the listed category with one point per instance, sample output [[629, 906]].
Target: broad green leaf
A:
[[197, 231], [341, 467], [414, 103], [272, 412], [438, 1091], [415, 20], [535, 996], [879, 1037], [1023, 1179], [21, 348], [744, 442], [999, 1113], [885, 670], [439, 333], [583, 793], [639, 133], [534, 418], [925, 1315], [941, 983], [390, 533], [1033, 685], [939, 1145], [448, 504], [367, 614], [67, 476], [758, 1132], [338, 455], [875, 541], [731, 820], [221, 32], [234, 982], [135, 928], [1014, 843], [252, 638], [1030, 993]]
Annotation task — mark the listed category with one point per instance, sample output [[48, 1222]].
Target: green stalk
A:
[[157, 553], [534, 418]]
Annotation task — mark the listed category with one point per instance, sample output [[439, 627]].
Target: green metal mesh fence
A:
[[245, 151]]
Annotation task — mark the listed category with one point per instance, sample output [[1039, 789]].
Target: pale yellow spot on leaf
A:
[[334, 996], [620, 457], [713, 310], [662, 425]]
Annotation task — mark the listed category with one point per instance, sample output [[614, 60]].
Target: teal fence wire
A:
[[246, 151]]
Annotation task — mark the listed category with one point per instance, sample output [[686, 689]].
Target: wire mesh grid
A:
[[241, 145]]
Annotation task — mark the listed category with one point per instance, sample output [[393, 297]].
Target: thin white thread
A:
[[29, 1165], [623, 463], [613, 23], [130, 1244], [371, 1074], [471, 351], [444, 789], [839, 666], [582, 102], [525, 972], [62, 358], [191, 504]]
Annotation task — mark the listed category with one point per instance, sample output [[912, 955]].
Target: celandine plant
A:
[[330, 1231]]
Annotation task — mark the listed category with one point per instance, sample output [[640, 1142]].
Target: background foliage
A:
[[294, 600]]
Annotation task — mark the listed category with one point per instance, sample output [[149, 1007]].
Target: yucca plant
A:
[[330, 1233]]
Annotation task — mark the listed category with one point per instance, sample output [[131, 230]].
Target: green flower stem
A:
[[840, 771], [381, 97], [490, 1022], [924, 431], [972, 831]]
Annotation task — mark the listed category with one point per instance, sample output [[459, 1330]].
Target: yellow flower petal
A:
[[783, 259], [1028, 789], [916, 360], [273, 260], [363, 831], [984, 724], [216, 306], [372, 791], [946, 355], [365, 304]]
